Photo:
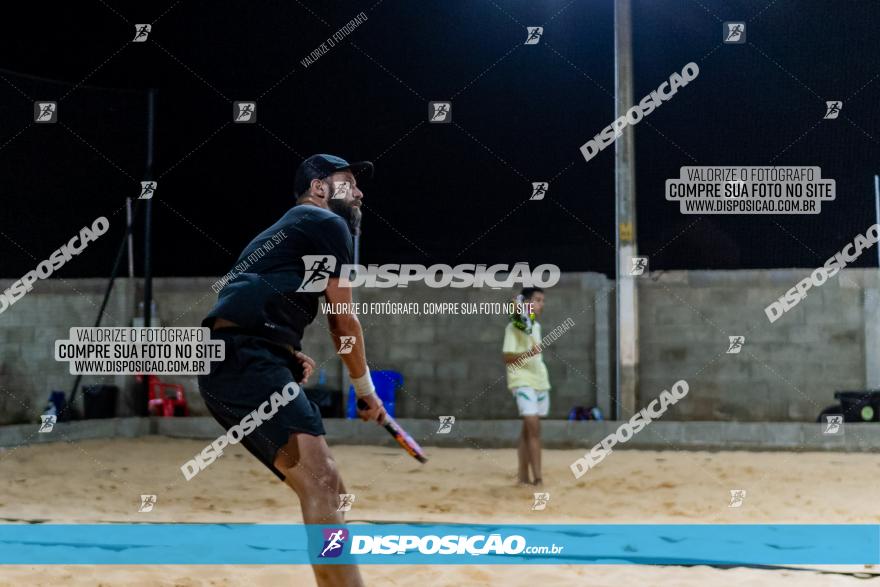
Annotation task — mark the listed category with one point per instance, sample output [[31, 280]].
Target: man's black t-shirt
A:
[[262, 296]]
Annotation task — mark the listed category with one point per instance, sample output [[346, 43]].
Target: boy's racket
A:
[[400, 435]]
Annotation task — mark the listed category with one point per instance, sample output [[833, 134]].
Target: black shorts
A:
[[253, 369]]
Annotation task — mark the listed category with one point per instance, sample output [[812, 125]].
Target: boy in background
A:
[[527, 380]]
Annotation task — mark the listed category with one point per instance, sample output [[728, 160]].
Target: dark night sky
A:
[[443, 193]]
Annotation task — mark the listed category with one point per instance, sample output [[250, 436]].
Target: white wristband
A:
[[363, 385]]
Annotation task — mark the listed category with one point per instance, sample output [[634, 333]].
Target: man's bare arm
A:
[[347, 324]]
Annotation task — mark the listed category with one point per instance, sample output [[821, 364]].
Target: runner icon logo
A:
[[541, 500], [141, 31], [533, 34], [832, 109], [736, 344], [147, 189], [446, 423], [440, 112], [147, 503], [334, 541], [737, 497], [734, 33], [346, 500], [46, 112], [539, 190], [48, 423], [833, 424], [317, 272], [244, 112], [346, 344], [639, 265]]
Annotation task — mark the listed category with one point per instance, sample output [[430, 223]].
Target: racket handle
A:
[[362, 405], [402, 438]]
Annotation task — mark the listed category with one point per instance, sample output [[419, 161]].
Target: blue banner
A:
[[439, 544]]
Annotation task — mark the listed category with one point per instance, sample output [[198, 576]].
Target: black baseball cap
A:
[[321, 165]]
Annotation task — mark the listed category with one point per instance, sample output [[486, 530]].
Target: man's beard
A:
[[349, 212]]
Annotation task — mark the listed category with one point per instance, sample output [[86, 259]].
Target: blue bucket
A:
[[386, 384]]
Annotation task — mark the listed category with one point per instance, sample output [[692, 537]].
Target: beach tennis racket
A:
[[400, 435]]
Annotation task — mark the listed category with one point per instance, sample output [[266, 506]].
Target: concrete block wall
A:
[[28, 331], [452, 364], [787, 370]]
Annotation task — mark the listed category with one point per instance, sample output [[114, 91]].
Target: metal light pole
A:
[[877, 210], [627, 363], [141, 399]]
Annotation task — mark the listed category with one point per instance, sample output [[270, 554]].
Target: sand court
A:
[[100, 481]]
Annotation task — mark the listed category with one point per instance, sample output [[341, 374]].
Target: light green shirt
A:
[[531, 372]]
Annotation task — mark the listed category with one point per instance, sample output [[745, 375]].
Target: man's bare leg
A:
[[523, 455], [533, 424], [311, 472]]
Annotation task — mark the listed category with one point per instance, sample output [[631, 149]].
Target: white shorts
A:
[[531, 402]]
